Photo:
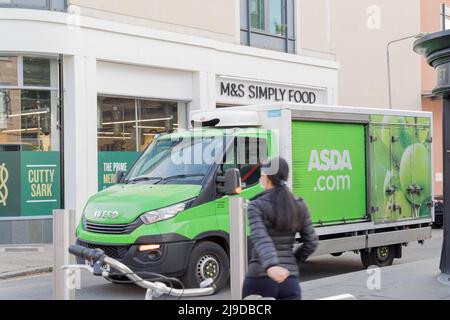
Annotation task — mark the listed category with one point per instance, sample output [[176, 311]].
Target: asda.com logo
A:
[[331, 162]]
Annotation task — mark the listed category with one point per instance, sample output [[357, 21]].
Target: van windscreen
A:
[[177, 160]]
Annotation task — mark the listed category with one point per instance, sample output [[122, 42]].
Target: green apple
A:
[[391, 179], [414, 170], [380, 164], [387, 122], [423, 134], [398, 127], [424, 209], [405, 205]]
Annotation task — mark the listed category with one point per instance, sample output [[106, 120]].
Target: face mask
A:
[[261, 183]]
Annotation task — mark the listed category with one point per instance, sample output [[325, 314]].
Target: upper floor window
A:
[[57, 5], [268, 24], [447, 17], [268, 16]]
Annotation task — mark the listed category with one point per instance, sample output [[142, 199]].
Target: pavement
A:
[[25, 260], [25, 274], [411, 281]]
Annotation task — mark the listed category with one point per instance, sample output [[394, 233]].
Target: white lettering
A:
[[314, 161], [324, 158], [321, 178], [330, 160]]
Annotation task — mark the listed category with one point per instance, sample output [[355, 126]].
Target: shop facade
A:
[[87, 96]]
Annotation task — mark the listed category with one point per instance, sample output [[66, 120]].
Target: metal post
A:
[[443, 15], [238, 246], [388, 58], [63, 236], [61, 127], [445, 254]]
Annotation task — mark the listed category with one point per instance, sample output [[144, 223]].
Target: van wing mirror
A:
[[230, 182], [119, 176]]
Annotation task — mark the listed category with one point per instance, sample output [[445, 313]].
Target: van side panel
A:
[[329, 170], [401, 168]]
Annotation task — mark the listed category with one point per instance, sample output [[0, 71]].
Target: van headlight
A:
[[165, 213]]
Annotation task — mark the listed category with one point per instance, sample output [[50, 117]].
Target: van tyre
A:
[[207, 260], [378, 256]]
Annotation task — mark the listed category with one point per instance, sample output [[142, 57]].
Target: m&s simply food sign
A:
[[242, 91]]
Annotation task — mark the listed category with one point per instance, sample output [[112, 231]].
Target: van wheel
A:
[[378, 256], [207, 260]]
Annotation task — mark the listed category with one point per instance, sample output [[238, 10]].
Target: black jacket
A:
[[270, 247]]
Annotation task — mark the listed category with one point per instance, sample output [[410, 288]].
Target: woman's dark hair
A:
[[287, 214]]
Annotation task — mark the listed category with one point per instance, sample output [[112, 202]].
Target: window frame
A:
[[265, 11], [53, 88], [180, 106], [236, 149], [20, 77], [286, 17], [266, 30]]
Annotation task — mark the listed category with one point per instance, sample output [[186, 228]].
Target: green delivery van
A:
[[365, 174]]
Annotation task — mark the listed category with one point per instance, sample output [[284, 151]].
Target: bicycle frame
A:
[[154, 289]]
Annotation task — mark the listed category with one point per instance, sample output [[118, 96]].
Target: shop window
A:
[[29, 138], [268, 24], [116, 122], [155, 118], [126, 126], [36, 72]]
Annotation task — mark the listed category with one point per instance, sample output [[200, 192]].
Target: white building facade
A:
[[81, 97]]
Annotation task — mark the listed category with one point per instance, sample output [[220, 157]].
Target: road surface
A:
[[40, 287]]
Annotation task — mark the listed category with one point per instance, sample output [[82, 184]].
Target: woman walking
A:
[[275, 216]]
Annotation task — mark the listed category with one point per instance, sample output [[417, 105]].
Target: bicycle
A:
[[99, 264]]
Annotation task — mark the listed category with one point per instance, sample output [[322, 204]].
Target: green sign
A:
[[111, 162], [329, 169], [40, 173], [29, 183], [9, 184]]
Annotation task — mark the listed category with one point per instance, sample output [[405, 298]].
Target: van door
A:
[[402, 141], [382, 180], [329, 170], [246, 155], [421, 173]]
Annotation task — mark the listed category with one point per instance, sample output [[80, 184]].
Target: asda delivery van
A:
[[364, 173]]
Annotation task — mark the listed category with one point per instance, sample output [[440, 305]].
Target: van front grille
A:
[[112, 228], [116, 252]]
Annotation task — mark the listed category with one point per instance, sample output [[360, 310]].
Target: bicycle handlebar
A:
[[86, 253], [97, 254]]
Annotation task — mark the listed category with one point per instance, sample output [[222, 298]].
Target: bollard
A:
[[238, 246], [64, 223]]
